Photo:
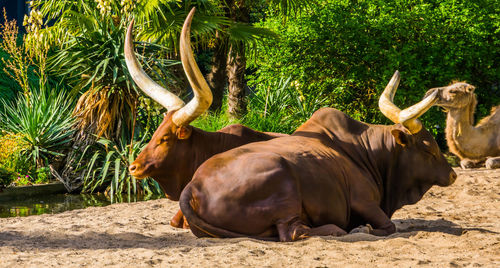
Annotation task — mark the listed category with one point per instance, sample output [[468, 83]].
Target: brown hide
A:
[[332, 174]]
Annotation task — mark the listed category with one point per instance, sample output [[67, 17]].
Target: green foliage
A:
[[8, 86], [348, 50], [94, 50], [273, 107], [12, 162], [108, 168], [214, 121], [44, 122], [5, 177], [162, 20], [281, 107], [90, 57]]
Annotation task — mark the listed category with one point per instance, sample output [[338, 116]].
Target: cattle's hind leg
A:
[[294, 229]]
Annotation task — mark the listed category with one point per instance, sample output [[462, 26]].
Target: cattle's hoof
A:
[[492, 163], [363, 229], [176, 224]]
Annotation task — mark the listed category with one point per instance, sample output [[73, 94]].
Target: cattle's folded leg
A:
[[376, 217], [177, 220], [363, 229], [325, 230], [294, 229]]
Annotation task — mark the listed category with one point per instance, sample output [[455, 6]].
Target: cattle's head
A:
[[455, 96], [421, 162], [175, 126]]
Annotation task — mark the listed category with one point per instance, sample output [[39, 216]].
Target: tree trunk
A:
[[236, 65], [217, 77], [236, 76]]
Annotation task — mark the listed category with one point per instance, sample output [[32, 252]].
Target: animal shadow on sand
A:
[[96, 240], [409, 227]]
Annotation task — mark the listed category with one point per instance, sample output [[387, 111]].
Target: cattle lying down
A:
[[330, 176], [177, 149]]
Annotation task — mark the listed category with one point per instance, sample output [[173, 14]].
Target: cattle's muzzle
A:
[[134, 170]]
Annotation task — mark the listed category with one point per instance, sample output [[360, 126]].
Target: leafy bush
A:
[[108, 169], [213, 121], [44, 122], [348, 50], [12, 163], [273, 107], [280, 106]]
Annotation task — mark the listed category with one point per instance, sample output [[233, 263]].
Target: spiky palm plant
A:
[[108, 168], [44, 121]]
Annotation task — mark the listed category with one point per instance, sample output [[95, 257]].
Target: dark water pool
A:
[[56, 203]]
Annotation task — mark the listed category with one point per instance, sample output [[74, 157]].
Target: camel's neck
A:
[[462, 136], [459, 122]]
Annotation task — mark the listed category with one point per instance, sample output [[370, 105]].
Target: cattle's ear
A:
[[402, 136], [183, 132]]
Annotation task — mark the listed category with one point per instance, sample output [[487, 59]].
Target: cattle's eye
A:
[[165, 138], [454, 91]]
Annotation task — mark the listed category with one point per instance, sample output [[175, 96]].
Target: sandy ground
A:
[[450, 227]]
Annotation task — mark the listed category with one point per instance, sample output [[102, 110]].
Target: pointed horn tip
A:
[[431, 97], [186, 28], [131, 25], [433, 94], [191, 14], [129, 39], [396, 76]]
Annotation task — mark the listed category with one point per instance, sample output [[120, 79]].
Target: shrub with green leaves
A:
[[273, 107], [348, 51], [12, 163], [279, 106], [108, 169], [44, 122]]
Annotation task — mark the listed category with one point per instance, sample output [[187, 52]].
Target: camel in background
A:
[[474, 145]]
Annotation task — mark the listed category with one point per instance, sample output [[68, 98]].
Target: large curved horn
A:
[[202, 94], [161, 95], [407, 117]]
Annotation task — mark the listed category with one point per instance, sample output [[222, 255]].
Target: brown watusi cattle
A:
[[330, 176], [177, 149]]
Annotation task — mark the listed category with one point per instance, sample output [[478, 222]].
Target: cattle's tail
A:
[[200, 227]]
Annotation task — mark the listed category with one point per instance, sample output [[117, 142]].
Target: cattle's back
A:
[[331, 122]]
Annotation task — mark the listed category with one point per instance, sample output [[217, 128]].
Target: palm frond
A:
[[247, 33]]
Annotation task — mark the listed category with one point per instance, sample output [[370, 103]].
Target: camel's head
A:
[[455, 96]]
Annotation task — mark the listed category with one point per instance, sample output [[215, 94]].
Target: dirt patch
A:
[[450, 227]]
